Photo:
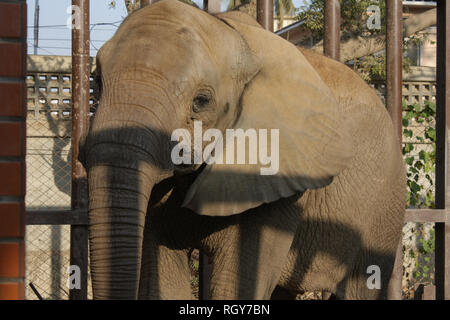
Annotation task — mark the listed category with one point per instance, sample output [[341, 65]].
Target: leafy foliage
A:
[[420, 163], [354, 25], [353, 18], [424, 264]]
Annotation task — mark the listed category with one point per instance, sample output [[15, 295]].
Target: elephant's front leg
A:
[[165, 272], [248, 256]]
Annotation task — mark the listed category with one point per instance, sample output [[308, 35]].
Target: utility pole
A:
[[36, 25]]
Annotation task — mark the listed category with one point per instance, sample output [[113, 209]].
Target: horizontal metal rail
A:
[[80, 217], [57, 217]]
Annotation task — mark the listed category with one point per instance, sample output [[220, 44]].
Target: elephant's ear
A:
[[287, 94]]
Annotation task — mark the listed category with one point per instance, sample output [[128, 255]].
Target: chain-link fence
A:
[[418, 238], [48, 173]]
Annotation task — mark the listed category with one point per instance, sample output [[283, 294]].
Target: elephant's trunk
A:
[[124, 161], [116, 216]]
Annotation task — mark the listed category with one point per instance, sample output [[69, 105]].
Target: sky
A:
[[55, 37]]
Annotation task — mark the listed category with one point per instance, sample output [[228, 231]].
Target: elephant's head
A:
[[168, 65]]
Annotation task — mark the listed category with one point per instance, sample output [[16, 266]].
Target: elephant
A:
[[329, 218]]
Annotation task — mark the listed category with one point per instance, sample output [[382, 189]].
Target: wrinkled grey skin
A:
[[334, 208]]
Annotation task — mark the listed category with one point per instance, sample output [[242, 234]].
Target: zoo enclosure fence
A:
[[50, 109]]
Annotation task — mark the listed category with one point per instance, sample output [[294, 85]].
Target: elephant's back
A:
[[343, 82]]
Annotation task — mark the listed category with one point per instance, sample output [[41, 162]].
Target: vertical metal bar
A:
[[204, 276], [442, 247], [264, 14], [394, 10], [394, 35], [36, 26], [204, 267], [332, 25], [80, 122]]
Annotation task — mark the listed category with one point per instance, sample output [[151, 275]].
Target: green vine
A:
[[424, 264], [420, 163]]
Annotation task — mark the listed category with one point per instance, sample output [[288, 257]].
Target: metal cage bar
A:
[[264, 14], [204, 267], [394, 43], [442, 246], [80, 122], [332, 29]]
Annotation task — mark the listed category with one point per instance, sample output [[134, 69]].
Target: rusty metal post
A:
[[332, 29], [80, 122], [394, 35], [442, 247], [264, 14], [204, 276], [204, 267]]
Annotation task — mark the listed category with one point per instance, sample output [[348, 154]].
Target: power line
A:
[[48, 39], [114, 24], [62, 46], [65, 28], [52, 53], [59, 48]]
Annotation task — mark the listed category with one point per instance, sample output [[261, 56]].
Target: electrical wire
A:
[[114, 24], [54, 39]]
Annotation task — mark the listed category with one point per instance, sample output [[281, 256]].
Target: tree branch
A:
[[358, 47]]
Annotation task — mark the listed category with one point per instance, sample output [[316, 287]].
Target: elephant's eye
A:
[[200, 102]]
